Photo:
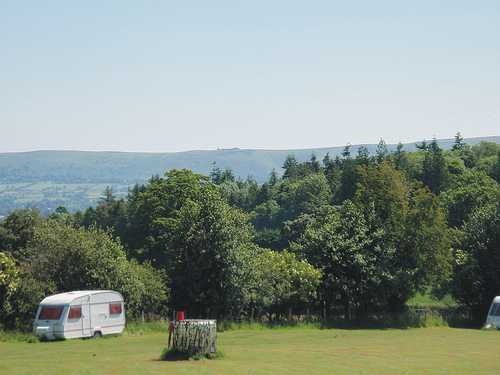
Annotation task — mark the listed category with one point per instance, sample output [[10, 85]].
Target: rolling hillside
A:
[[47, 179]]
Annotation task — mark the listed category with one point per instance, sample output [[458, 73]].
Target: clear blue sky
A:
[[170, 76]]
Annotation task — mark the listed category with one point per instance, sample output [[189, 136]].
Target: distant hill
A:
[[46, 179]]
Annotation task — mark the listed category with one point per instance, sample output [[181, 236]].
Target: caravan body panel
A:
[[493, 318]]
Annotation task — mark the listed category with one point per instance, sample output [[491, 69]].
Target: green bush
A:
[[16, 336], [25, 299], [9, 280]]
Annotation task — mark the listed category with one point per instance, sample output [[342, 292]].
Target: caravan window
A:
[[115, 308], [495, 309], [50, 313], [75, 312]]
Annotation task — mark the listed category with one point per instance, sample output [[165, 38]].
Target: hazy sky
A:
[[179, 75]]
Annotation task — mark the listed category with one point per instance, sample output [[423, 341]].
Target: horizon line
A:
[[239, 148]]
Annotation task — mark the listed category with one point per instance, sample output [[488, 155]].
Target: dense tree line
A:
[[347, 236]]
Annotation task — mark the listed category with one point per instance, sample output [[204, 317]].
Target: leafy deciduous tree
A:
[[477, 262]]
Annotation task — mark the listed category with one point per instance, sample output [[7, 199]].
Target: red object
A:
[[115, 308], [180, 315]]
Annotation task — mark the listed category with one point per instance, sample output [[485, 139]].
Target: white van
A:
[[89, 313], [493, 318]]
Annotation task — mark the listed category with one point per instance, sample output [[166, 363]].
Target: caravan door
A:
[[86, 320]]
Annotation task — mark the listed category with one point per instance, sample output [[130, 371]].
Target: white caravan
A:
[[88, 313], [493, 319]]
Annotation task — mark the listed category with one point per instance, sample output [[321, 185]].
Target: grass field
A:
[[306, 351]]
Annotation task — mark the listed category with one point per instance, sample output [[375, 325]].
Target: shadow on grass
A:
[[404, 321], [173, 355], [410, 318]]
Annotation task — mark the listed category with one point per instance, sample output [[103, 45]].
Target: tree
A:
[[273, 178], [400, 159], [348, 180], [455, 166], [290, 167], [468, 192], [459, 144], [24, 300], [434, 174], [152, 210], [422, 146], [244, 194], [190, 231], [485, 149], [415, 240], [110, 214], [313, 164], [207, 249], [495, 173], [219, 176], [108, 196], [17, 229], [423, 254], [346, 153], [9, 280], [382, 152], [62, 214], [150, 288], [477, 263], [485, 155], [463, 151], [342, 246], [383, 188], [363, 157], [266, 215], [332, 169], [283, 283], [303, 195]]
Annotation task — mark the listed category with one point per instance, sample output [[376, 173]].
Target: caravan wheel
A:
[[97, 334]]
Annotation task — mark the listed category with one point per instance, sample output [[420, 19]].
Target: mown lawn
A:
[[304, 351]]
